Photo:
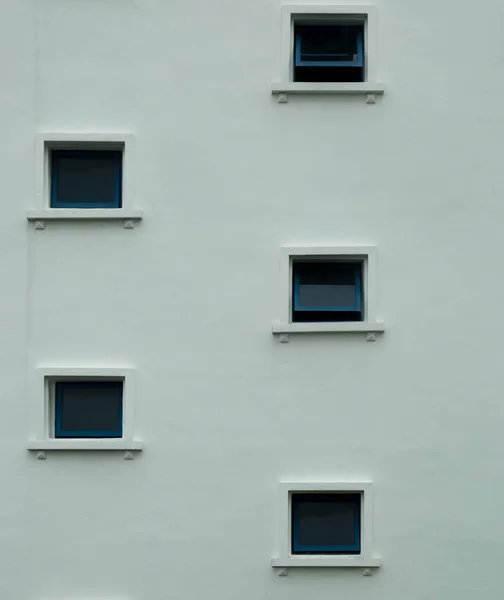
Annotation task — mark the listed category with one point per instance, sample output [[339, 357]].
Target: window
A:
[[85, 176], [88, 409], [86, 179], [329, 52], [327, 290], [83, 408], [329, 49], [325, 525]]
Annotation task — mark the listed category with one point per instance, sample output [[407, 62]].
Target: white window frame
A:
[[48, 141], [292, 13], [371, 324], [42, 409], [284, 556]]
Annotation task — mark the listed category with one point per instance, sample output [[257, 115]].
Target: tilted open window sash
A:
[[329, 46], [327, 287]]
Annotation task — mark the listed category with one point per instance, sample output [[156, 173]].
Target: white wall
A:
[[225, 176]]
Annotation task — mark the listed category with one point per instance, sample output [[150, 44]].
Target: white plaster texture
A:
[[225, 176]]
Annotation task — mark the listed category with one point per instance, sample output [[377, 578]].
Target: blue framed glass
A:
[[86, 179], [326, 523], [88, 409], [327, 287], [329, 46]]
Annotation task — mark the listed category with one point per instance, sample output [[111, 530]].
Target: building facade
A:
[[236, 177]]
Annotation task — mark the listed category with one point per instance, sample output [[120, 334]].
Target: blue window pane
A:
[[332, 53], [88, 409], [326, 523], [86, 179], [327, 291]]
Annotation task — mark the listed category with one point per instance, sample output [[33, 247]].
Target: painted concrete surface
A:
[[225, 176]]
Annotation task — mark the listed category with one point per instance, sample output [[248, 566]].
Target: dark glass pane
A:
[[86, 178], [88, 408], [330, 272], [326, 523], [320, 316], [329, 74], [328, 42]]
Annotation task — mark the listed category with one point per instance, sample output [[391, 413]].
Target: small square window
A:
[[86, 178], [326, 523], [88, 409], [326, 291], [83, 408], [329, 53], [329, 49]]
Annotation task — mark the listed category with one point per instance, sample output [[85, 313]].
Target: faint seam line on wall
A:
[[31, 250]]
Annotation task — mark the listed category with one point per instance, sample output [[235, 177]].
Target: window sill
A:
[[326, 561], [85, 444], [366, 88], [347, 327], [86, 214]]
